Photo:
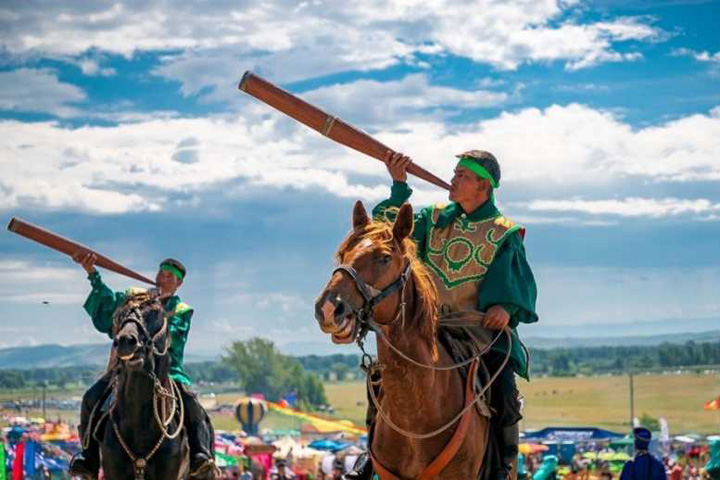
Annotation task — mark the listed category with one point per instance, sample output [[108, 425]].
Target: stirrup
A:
[[203, 470], [362, 470], [79, 468]]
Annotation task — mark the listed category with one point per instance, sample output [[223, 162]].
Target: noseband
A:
[[371, 295], [134, 314]]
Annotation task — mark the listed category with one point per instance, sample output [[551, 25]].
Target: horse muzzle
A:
[[336, 318], [127, 347]]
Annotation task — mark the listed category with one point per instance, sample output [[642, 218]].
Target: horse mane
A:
[[381, 234]]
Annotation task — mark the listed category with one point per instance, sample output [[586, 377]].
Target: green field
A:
[[590, 401], [574, 401]]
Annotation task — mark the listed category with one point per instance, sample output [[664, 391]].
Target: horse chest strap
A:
[[140, 465]]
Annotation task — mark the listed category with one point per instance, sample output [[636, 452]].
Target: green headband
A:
[[477, 169], [172, 269]]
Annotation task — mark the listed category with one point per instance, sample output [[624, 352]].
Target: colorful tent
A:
[[531, 448], [572, 434], [224, 461], [322, 424]]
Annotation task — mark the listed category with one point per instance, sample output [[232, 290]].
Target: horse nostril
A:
[[339, 309], [127, 343]]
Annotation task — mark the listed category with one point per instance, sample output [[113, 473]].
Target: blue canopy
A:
[[571, 434], [329, 445]]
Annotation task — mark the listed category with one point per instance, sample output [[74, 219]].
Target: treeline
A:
[[257, 366], [608, 359], [56, 377]]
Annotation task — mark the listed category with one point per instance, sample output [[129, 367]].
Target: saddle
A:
[[461, 344]]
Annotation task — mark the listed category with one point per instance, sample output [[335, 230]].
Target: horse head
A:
[[140, 337], [376, 262]]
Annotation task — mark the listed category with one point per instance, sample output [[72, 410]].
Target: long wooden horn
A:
[[69, 247], [328, 125]]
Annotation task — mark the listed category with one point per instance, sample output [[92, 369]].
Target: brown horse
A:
[[381, 278]]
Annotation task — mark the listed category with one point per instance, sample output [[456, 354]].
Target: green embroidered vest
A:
[[460, 254]]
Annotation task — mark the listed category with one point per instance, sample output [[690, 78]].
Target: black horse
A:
[[143, 435]]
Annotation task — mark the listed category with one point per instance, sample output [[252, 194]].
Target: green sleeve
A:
[[101, 304], [510, 282], [387, 210], [179, 327], [399, 193]]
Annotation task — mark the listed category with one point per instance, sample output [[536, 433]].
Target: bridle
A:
[[163, 415], [371, 295], [365, 318], [134, 314]]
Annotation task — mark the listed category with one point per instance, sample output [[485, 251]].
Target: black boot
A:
[[508, 438], [201, 438], [86, 464], [362, 470]]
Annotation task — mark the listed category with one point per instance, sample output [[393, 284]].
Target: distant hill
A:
[[329, 348], [52, 356], [621, 341]]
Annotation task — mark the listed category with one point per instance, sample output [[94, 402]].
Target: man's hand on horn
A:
[[86, 260], [397, 165]]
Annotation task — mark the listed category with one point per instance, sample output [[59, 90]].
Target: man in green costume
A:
[[478, 262], [101, 305]]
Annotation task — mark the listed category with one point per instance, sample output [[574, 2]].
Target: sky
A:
[[122, 127]]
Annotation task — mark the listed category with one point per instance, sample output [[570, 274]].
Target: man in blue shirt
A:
[[644, 466]]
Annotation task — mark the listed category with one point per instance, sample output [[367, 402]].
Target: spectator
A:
[[282, 472], [644, 466]]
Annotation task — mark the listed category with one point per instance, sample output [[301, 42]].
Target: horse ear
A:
[[360, 216], [403, 223]]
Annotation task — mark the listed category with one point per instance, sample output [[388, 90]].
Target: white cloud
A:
[[409, 97], [629, 207], [38, 90], [700, 56], [91, 67], [135, 166], [212, 43]]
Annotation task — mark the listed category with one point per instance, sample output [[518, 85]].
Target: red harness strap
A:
[[451, 448]]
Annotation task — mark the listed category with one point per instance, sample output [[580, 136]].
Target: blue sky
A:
[[121, 126]]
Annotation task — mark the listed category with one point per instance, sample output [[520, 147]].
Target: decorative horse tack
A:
[[460, 455], [133, 313], [364, 314]]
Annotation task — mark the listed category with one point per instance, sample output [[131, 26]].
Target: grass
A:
[[575, 401], [589, 401]]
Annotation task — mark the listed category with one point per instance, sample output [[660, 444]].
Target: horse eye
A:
[[385, 259]]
